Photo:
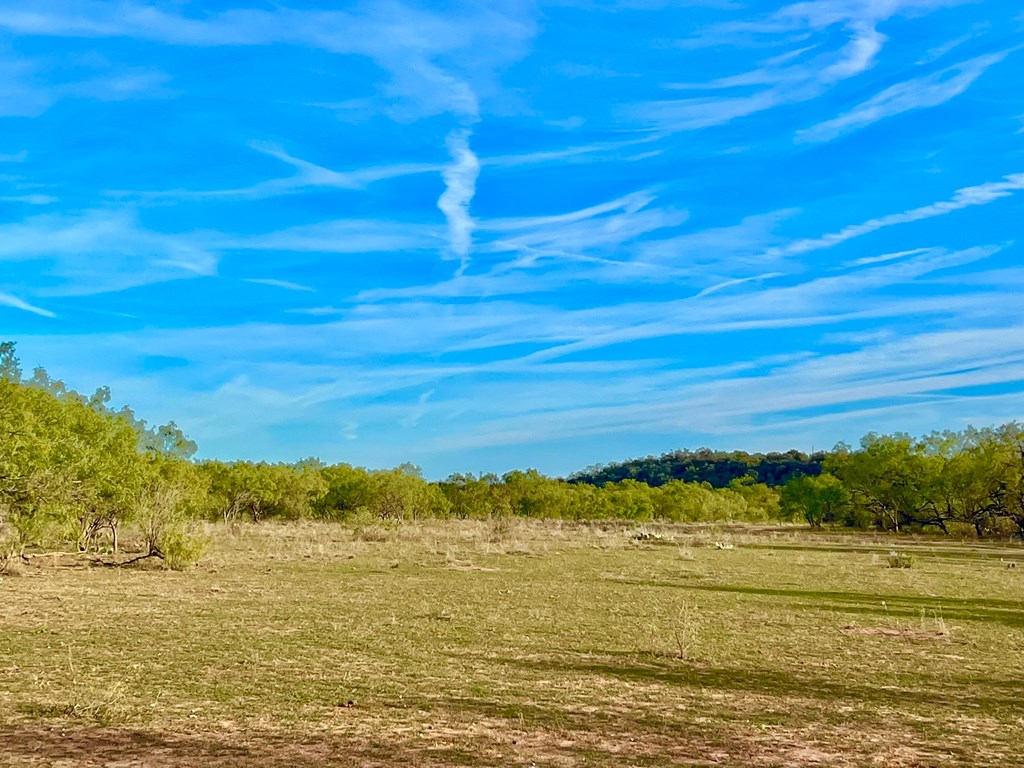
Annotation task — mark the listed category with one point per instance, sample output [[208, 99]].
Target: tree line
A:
[[970, 481], [77, 473], [717, 468]]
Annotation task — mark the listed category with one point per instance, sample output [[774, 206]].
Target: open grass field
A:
[[480, 644]]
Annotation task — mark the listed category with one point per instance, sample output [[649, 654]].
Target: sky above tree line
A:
[[492, 235]]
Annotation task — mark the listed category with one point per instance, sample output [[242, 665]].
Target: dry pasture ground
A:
[[522, 644]]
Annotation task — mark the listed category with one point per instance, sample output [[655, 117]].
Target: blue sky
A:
[[488, 236]]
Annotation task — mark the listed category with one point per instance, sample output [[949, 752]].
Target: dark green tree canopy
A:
[[718, 468]]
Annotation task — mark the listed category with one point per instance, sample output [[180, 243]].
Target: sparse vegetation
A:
[[576, 645], [899, 560]]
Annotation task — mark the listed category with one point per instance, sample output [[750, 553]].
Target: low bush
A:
[[899, 560]]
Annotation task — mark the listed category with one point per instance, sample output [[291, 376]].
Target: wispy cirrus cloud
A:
[[865, 260], [595, 229], [13, 302], [612, 242], [286, 285], [598, 151], [309, 176], [918, 93], [369, 330], [815, 302], [804, 72], [32, 199], [354, 236], [405, 41], [967, 197], [736, 282], [939, 51], [29, 87], [437, 64], [543, 253], [915, 372], [618, 279], [737, 245], [103, 250], [748, 245]]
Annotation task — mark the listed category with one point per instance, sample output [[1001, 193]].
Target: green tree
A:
[[347, 492], [402, 494], [818, 500], [891, 481], [471, 497]]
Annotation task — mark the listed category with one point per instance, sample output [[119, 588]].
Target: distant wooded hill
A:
[[718, 468]]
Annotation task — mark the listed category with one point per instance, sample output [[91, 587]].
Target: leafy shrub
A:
[[182, 545]]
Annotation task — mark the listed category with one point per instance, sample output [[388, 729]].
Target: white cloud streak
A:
[[735, 282], [919, 93], [104, 250], [34, 199], [460, 186], [967, 197], [798, 75], [6, 300], [591, 235], [406, 42], [286, 285], [920, 368], [352, 236], [309, 176], [540, 397], [819, 301]]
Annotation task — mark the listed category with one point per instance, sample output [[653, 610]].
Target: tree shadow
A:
[[80, 745], [1007, 612], [1000, 696]]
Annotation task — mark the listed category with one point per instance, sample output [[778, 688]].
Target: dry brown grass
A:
[[473, 643]]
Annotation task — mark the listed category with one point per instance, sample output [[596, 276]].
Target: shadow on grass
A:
[[972, 553], [612, 733], [970, 695], [1007, 612], [35, 745], [781, 720]]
